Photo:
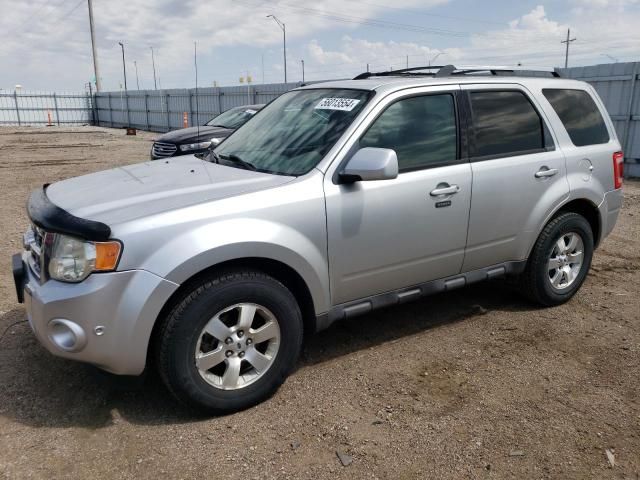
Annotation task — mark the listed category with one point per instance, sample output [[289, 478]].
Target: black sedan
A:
[[192, 140]]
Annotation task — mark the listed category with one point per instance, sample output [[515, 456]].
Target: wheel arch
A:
[[581, 206], [282, 272], [589, 211]]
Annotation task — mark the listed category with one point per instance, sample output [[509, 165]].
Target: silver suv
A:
[[334, 200]]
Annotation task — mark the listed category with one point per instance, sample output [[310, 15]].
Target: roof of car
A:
[[390, 83]]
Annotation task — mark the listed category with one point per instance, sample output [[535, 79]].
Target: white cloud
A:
[[45, 43], [42, 45], [532, 39]]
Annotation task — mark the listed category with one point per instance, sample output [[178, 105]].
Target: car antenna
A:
[[195, 63]]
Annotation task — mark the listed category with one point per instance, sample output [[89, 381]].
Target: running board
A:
[[407, 294]]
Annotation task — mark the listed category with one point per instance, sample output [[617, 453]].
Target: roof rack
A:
[[439, 71]]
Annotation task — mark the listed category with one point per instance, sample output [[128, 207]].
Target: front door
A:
[[388, 234]]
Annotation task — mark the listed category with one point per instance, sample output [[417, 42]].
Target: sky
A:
[[45, 44]]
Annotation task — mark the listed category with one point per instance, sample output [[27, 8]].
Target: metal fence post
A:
[[219, 101], [55, 104], [146, 109], [626, 145], [15, 99], [166, 98], [126, 95], [110, 111]]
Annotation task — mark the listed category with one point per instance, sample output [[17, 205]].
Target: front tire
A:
[[231, 342], [559, 261]]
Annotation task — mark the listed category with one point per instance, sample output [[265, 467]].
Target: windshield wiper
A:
[[236, 159], [214, 155]]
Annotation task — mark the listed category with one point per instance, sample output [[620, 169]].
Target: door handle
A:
[[444, 189], [546, 172]]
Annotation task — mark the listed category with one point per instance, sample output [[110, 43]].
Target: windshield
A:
[[295, 131], [233, 118]]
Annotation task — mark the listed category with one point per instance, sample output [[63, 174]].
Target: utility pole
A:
[[135, 64], [153, 62], [407, 61], [302, 61], [284, 42], [434, 58], [96, 70], [567, 41], [124, 66]]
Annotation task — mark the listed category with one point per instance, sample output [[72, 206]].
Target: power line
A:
[[426, 14], [352, 19]]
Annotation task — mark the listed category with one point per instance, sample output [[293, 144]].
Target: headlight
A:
[[73, 259], [194, 146]]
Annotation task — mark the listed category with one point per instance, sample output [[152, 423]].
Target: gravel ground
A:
[[476, 383]]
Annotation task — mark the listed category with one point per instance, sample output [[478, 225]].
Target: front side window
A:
[[421, 130], [579, 115], [294, 132], [505, 123]]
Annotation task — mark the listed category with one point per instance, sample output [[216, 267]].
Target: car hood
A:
[[194, 134], [134, 191]]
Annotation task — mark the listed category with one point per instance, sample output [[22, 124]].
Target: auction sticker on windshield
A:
[[344, 104]]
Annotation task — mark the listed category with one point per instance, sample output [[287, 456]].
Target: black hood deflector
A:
[[51, 218]]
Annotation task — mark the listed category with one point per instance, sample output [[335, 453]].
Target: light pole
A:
[[124, 66], [302, 61], [153, 62], [94, 50], [284, 43], [135, 64]]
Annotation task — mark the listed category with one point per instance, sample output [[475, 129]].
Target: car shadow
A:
[[42, 390]]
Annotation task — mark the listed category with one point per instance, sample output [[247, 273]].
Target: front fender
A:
[[192, 252]]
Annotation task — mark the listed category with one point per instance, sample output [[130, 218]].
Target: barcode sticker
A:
[[344, 104]]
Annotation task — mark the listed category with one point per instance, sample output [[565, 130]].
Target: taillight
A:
[[618, 169]]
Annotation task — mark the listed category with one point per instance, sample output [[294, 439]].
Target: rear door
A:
[[519, 175]]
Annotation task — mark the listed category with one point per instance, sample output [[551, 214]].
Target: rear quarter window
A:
[[579, 115]]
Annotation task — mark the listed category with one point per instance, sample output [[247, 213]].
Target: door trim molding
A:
[[406, 294]]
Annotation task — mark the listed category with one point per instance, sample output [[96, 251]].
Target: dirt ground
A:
[[476, 383]]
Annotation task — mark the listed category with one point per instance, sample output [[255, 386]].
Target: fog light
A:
[[67, 335]]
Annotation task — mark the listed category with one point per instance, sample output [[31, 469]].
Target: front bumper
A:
[[111, 316]]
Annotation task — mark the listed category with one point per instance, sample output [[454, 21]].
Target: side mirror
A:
[[371, 164]]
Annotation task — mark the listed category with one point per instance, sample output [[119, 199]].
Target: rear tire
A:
[[559, 261], [231, 342]]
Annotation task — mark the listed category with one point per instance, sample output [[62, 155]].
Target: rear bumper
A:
[[106, 320], [609, 211]]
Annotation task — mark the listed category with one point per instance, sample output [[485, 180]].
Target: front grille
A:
[[161, 149], [35, 242]]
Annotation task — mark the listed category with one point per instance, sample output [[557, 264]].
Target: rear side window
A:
[[505, 123], [421, 130], [579, 114]]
